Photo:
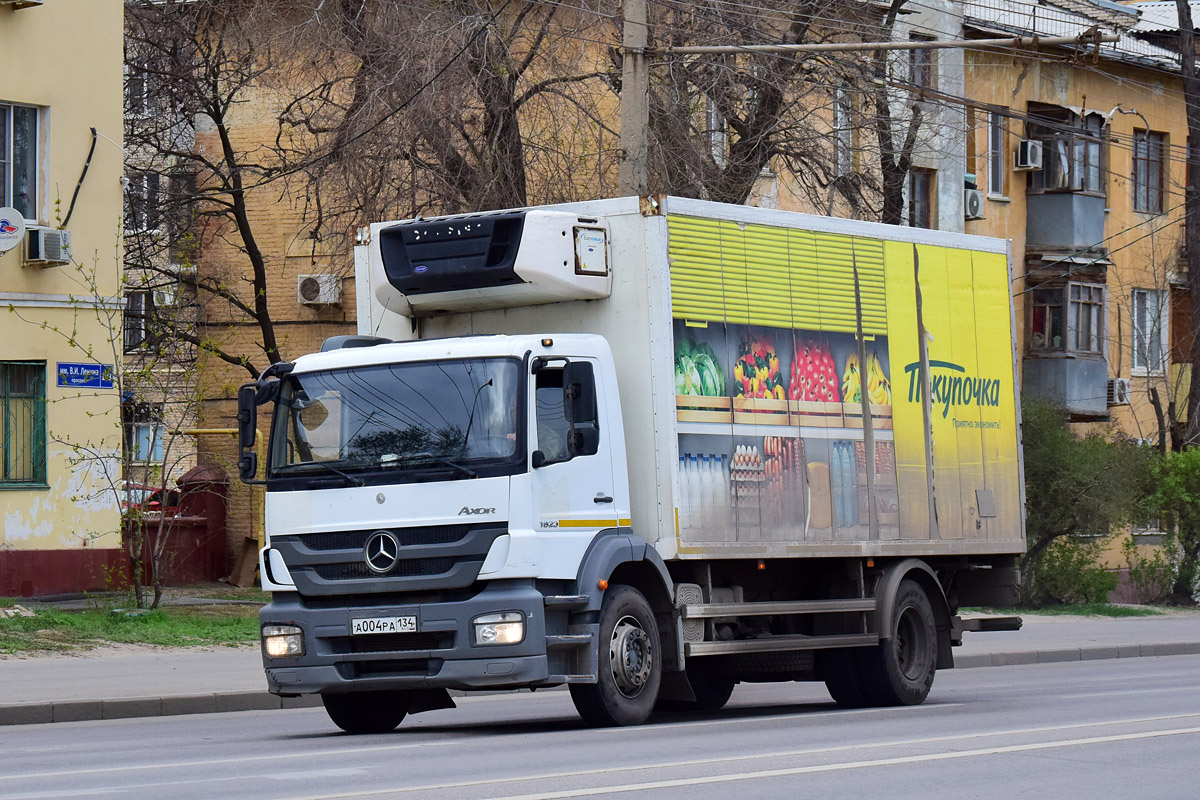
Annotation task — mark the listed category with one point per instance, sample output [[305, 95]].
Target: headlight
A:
[[283, 641], [507, 627]]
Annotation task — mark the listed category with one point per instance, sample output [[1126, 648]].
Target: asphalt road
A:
[[1126, 727]]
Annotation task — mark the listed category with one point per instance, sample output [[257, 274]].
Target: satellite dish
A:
[[12, 228]]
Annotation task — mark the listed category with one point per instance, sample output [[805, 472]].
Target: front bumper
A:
[[439, 655]]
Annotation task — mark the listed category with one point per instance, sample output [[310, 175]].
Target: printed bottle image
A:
[[682, 503]]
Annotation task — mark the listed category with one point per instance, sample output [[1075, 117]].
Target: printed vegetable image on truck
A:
[[646, 448]]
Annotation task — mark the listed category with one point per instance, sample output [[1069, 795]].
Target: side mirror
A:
[[248, 466], [579, 392], [247, 415], [584, 442], [538, 459]]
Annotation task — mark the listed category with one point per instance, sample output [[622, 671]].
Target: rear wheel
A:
[[629, 667], [367, 712]]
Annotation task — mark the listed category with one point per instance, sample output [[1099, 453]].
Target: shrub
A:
[[1069, 572], [1075, 486], [1152, 576]]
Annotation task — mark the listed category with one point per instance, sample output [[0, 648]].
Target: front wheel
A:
[[367, 712], [900, 670], [629, 668]]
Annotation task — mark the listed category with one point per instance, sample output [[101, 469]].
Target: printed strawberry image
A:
[[814, 375]]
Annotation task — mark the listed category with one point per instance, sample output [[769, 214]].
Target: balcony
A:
[[1064, 220], [1076, 383]]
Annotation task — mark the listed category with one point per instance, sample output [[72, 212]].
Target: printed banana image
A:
[[879, 389], [852, 381]]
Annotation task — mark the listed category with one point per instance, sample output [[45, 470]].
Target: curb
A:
[[218, 702]]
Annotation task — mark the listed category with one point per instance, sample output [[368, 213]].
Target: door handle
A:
[[602, 498]]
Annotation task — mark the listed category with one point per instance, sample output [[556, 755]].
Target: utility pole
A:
[[635, 100]]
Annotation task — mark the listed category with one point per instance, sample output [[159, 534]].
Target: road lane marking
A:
[[751, 757], [663, 765], [881, 762], [467, 740]]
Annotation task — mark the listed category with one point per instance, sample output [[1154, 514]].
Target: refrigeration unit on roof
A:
[[487, 261]]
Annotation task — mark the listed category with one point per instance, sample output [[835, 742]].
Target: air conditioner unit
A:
[[1028, 156], [972, 203], [1119, 391], [166, 298], [318, 290], [51, 248]]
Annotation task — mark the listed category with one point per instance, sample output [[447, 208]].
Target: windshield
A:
[[398, 417]]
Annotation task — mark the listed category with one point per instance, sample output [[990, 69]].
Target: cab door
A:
[[574, 492]]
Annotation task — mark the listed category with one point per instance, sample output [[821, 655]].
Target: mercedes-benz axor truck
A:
[[648, 448]]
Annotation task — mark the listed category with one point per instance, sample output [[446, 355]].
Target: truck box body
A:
[[737, 284]]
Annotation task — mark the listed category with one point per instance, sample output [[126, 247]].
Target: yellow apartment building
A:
[[60, 200]]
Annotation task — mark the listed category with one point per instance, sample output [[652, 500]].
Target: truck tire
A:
[[900, 670], [712, 691], [840, 669], [629, 668], [367, 712]]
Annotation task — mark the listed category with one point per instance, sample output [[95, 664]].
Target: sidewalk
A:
[[136, 682]]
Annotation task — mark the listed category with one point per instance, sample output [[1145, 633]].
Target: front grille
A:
[[431, 559], [360, 571], [398, 642], [356, 540]]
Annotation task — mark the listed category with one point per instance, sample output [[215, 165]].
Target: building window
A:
[[843, 134], [1149, 331], [23, 407], [19, 159], [1085, 323], [143, 431], [922, 64], [1073, 150], [997, 168], [1067, 318], [716, 131], [1149, 170], [1046, 326], [137, 310], [920, 197], [143, 202]]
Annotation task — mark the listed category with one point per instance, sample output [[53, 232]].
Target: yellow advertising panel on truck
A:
[[798, 363]]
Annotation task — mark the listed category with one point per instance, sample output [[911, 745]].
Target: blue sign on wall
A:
[[85, 376]]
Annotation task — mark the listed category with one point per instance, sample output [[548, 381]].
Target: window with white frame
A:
[[1085, 318], [143, 431], [997, 168], [143, 202], [19, 159], [718, 135], [843, 134], [1149, 331]]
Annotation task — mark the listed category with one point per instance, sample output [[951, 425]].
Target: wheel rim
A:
[[630, 656], [912, 645]]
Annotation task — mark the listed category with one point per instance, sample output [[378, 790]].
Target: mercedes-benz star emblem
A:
[[382, 551]]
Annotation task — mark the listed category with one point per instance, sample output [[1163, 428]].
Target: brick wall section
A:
[[277, 221]]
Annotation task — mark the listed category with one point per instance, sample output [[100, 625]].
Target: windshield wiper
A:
[[470, 473], [306, 466]]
